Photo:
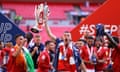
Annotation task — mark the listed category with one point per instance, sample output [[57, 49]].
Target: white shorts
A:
[[90, 70]]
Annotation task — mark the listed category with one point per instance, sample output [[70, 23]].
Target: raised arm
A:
[[111, 39], [17, 52], [50, 34]]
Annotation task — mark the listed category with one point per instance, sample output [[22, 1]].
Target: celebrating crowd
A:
[[88, 54]]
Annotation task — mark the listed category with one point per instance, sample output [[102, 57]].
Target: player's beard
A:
[[66, 41], [98, 46]]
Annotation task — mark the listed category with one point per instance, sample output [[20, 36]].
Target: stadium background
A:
[[64, 14]]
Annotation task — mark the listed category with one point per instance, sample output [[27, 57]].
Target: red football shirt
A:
[[101, 54], [16, 64], [44, 62], [85, 55], [116, 59]]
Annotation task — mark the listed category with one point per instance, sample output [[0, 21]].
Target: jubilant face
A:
[[20, 40], [52, 46], [90, 41], [79, 44], [37, 39], [98, 43], [67, 37]]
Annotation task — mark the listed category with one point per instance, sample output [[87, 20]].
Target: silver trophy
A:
[[41, 12]]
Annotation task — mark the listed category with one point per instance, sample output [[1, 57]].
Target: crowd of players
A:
[[88, 54]]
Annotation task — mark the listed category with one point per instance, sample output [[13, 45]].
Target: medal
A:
[[90, 52]]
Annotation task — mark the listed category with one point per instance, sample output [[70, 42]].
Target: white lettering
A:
[[92, 28], [4, 36], [114, 28]]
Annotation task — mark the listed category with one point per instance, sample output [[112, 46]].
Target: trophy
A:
[[99, 30], [41, 12], [94, 58]]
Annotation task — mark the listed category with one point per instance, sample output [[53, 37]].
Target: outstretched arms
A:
[[50, 34], [111, 39]]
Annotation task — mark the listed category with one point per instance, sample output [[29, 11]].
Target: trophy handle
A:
[[38, 12]]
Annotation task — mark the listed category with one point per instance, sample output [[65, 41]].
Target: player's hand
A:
[[35, 48]]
